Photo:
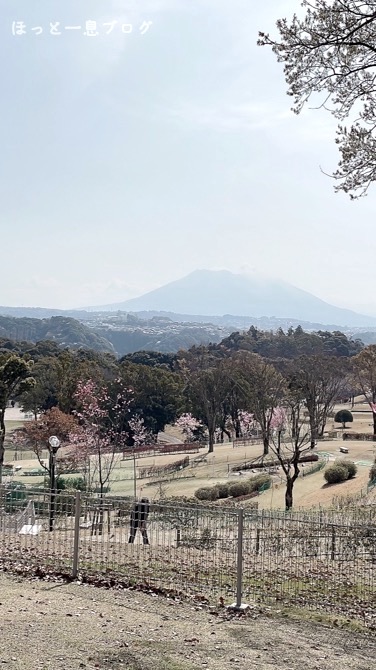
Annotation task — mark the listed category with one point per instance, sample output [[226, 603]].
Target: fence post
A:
[[257, 541], [333, 547], [76, 541], [238, 605]]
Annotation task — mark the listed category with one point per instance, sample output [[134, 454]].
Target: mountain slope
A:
[[209, 292], [63, 330]]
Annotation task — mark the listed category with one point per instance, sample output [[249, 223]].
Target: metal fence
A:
[[324, 560]]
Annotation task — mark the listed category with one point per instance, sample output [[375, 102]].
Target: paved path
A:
[[15, 414]]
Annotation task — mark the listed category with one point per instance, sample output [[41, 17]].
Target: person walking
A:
[[138, 519]]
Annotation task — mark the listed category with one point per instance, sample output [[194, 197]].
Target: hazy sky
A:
[[129, 160]]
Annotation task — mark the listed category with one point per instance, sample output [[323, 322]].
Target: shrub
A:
[[71, 484], [255, 483], [15, 499], [222, 490], [234, 489], [239, 489], [349, 465], [249, 486], [372, 472], [336, 473], [208, 493]]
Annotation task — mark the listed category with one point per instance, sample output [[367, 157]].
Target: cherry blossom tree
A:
[[189, 426], [103, 417], [278, 419], [140, 435], [246, 423]]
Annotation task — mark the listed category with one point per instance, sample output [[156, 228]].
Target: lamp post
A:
[[54, 444], [134, 473]]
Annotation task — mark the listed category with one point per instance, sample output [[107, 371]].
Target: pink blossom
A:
[[278, 418], [188, 425]]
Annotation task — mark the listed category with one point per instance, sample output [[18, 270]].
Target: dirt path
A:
[[45, 626]]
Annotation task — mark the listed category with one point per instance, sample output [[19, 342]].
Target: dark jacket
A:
[[140, 511]]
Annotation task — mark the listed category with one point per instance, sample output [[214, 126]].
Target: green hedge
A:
[[340, 471], [234, 489], [372, 472]]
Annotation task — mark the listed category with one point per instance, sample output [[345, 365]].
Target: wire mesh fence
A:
[[321, 560], [318, 559]]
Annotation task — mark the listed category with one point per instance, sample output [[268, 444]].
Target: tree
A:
[[152, 358], [42, 395], [207, 391], [157, 394], [236, 398], [343, 416], [290, 439], [246, 423], [264, 388], [15, 378], [140, 435], [37, 434], [364, 367], [102, 431], [331, 52], [189, 426], [317, 379]]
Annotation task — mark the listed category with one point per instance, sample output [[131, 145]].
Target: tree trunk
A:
[[313, 432], [265, 441], [374, 423], [211, 441], [288, 494], [293, 424], [101, 512]]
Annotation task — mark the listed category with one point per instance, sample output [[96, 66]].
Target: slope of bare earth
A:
[[45, 626]]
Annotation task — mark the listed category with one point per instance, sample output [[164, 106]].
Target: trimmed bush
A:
[[372, 472], [255, 483], [349, 465], [359, 436], [239, 489], [222, 490], [336, 473], [234, 489], [208, 493]]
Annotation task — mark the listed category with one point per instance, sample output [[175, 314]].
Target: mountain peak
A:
[[218, 292]]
